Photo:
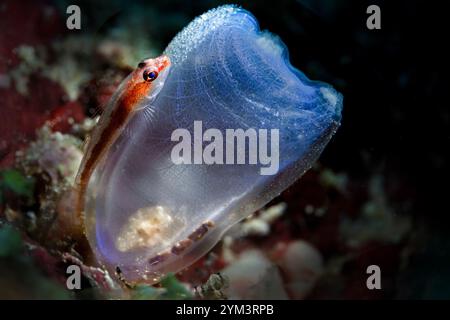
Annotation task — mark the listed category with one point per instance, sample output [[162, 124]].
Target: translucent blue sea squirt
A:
[[146, 213]]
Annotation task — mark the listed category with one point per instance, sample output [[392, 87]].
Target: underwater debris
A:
[[82, 129], [53, 154], [70, 56], [213, 288], [377, 221], [35, 60], [53, 160], [74, 58], [253, 276], [330, 179], [32, 60], [122, 54], [170, 288], [98, 277], [302, 266], [146, 292], [175, 289], [259, 225]]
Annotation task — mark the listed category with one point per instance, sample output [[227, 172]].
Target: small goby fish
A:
[[135, 93]]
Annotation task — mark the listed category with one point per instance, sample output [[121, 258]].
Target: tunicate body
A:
[[147, 212]]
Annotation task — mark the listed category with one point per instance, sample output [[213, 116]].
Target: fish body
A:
[[132, 95]]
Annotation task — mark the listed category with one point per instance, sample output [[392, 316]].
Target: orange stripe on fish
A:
[[129, 97]]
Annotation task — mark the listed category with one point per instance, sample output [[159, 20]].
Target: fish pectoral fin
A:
[[143, 108]]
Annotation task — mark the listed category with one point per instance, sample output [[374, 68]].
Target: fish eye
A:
[[150, 75]]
